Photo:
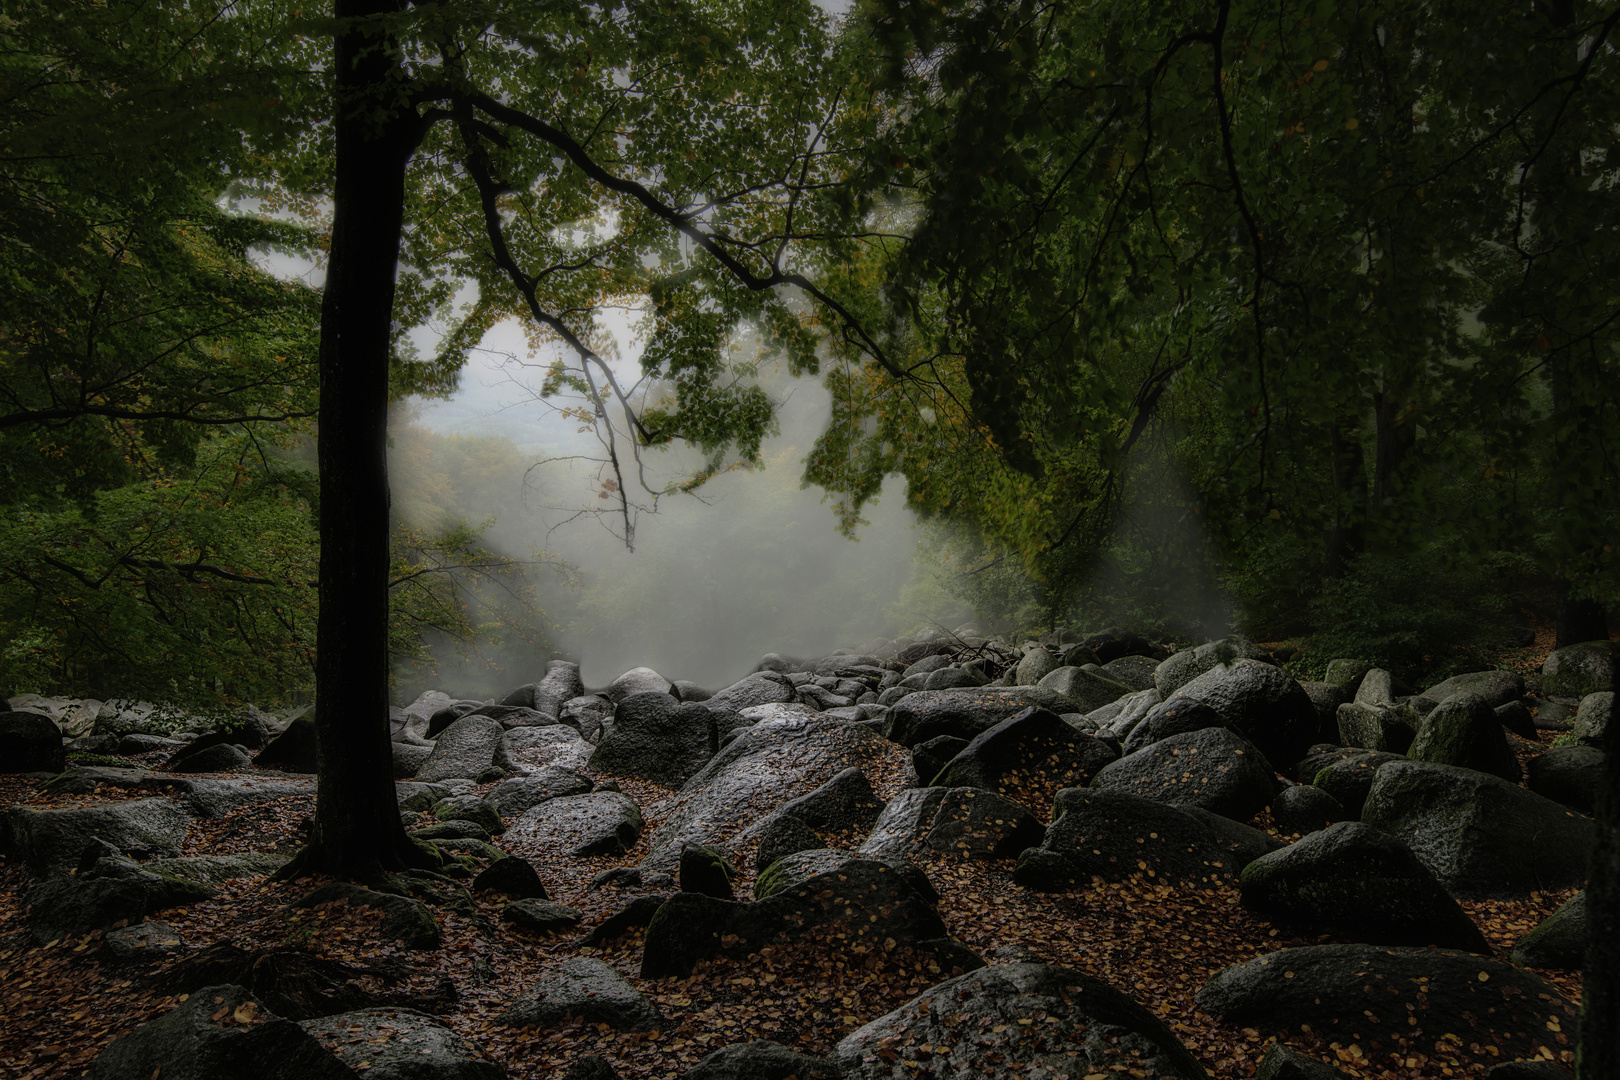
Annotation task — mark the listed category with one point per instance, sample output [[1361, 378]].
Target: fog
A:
[[750, 564]]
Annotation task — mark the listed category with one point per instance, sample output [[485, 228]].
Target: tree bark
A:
[[1597, 1056], [1345, 538], [357, 831]]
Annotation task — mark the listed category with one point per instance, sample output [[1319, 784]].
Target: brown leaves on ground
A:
[[1156, 943]]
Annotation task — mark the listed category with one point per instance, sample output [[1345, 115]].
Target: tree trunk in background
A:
[[357, 829], [1346, 536], [1579, 619]]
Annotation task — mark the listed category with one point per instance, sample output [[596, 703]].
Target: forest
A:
[[1291, 320]]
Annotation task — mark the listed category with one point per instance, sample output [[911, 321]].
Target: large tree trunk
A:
[[357, 830], [1598, 1053], [1345, 536]]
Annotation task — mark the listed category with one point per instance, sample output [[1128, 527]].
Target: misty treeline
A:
[[1294, 317]]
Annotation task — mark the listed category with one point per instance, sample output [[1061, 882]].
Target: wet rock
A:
[[536, 916], [760, 1061], [1476, 998], [1482, 836], [1594, 719], [406, 920], [589, 714], [586, 988], [1348, 777], [1213, 768], [511, 798], [597, 823], [50, 841], [1028, 758], [1087, 1027], [1496, 687], [963, 713], [798, 868], [1304, 809], [464, 750], [1463, 730], [654, 737], [142, 943], [1577, 670], [1375, 727], [400, 1044], [511, 876], [760, 688], [639, 680], [1558, 941], [559, 746], [1182, 667], [293, 750], [975, 823], [1571, 775], [905, 820], [1087, 688], [1115, 836], [470, 808], [706, 870], [1281, 1063], [30, 743], [246, 1040], [1362, 884]]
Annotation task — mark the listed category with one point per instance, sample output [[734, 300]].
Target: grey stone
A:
[[1087, 688], [760, 688], [512, 797], [589, 989], [1558, 941], [536, 916], [1362, 885], [1241, 843], [639, 680], [1305, 808], [1086, 1024], [783, 835], [761, 1061], [654, 737], [1347, 675], [1213, 768], [926, 665], [1578, 670], [1116, 836], [1036, 665], [1514, 717], [558, 746], [30, 742], [597, 823], [142, 943], [928, 758], [247, 1041], [117, 890], [1135, 671], [728, 803], [1182, 667], [1496, 687], [1463, 730], [1122, 716], [400, 1044], [589, 714], [293, 750], [1377, 688], [1482, 836], [511, 876], [1571, 775], [408, 759], [1028, 758], [1281, 1063], [470, 808], [963, 713], [1478, 999], [1375, 727], [464, 750], [1348, 777], [905, 820], [1594, 719], [705, 870], [1326, 699], [952, 678], [974, 823], [218, 869], [49, 841], [796, 869], [843, 803], [406, 920]]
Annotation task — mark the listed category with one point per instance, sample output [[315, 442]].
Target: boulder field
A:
[[926, 857]]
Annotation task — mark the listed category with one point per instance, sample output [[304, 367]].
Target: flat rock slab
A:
[[400, 1044], [872, 904], [1368, 994], [775, 761], [464, 750], [596, 823], [589, 989], [1482, 836], [204, 796], [218, 1031], [511, 798], [541, 916], [51, 841], [964, 713], [1028, 1019]]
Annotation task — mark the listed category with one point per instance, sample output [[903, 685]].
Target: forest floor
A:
[[62, 1003]]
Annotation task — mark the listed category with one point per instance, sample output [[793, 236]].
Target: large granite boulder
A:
[[761, 1061], [904, 822], [1348, 776], [1029, 758], [1115, 836], [1353, 993], [1260, 702], [589, 989], [1116, 642], [111, 891], [1361, 884], [654, 737], [1382, 728], [556, 746], [218, 1031], [1181, 668], [512, 797], [1214, 768], [1482, 836], [596, 823], [560, 684], [731, 800], [1464, 730], [400, 1044], [869, 904], [1087, 688], [793, 870], [1558, 941], [1035, 666], [404, 918], [1577, 670], [294, 750], [760, 688], [30, 742], [50, 842], [638, 680], [589, 714], [1594, 718], [980, 1023], [1571, 775], [465, 750], [974, 823], [1496, 687], [964, 713]]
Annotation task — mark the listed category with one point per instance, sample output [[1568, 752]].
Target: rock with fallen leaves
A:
[[50, 841], [143, 943], [761, 1060], [973, 823], [511, 797], [112, 891], [1087, 688], [400, 1044], [654, 737], [511, 876], [1375, 727], [1558, 941], [801, 866], [596, 823], [586, 988], [537, 747], [541, 916], [1281, 1063], [1347, 774], [1481, 835], [1380, 999], [1260, 702], [405, 919], [1029, 758], [1360, 884], [1115, 835], [905, 821], [1017, 1020], [1214, 768], [868, 904], [1304, 808], [218, 1031], [770, 764]]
